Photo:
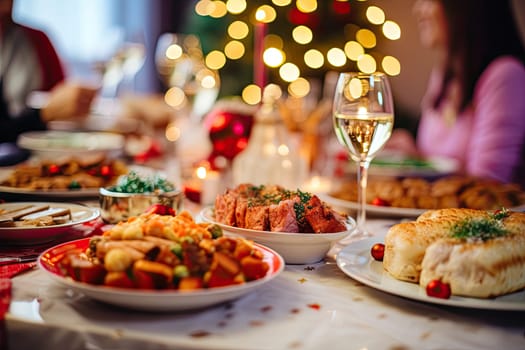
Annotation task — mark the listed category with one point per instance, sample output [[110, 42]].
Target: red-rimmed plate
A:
[[154, 300]]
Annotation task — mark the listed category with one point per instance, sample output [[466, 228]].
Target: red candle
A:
[[192, 193], [259, 69]]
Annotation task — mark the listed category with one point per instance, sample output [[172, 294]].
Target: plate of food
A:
[[381, 210], [188, 269], [296, 224], [412, 196], [387, 263], [37, 222], [58, 143], [67, 177], [396, 165]]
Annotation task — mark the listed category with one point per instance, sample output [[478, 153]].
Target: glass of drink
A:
[[181, 67], [363, 116]]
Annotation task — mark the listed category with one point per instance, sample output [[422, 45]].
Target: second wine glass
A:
[[181, 66], [363, 116]]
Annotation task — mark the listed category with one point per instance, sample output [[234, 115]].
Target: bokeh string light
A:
[[304, 39]]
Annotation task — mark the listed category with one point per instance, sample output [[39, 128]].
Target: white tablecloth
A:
[[306, 307]]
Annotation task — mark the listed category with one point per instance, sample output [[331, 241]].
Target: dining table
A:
[[310, 306]]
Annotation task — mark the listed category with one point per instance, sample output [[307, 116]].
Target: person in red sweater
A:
[[29, 62]]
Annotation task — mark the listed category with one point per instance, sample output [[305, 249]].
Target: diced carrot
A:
[[143, 280], [242, 249], [118, 279], [161, 275], [253, 268], [85, 271], [219, 278], [190, 283], [227, 263]]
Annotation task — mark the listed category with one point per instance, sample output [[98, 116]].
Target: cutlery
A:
[[15, 259]]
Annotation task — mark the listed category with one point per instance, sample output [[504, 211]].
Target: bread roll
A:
[[481, 269], [424, 250]]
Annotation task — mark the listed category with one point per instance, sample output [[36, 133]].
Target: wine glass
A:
[[192, 89], [363, 117], [122, 64], [181, 66]]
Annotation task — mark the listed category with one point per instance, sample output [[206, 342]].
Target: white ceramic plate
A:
[[78, 193], [355, 261], [63, 193], [295, 248], [156, 300], [396, 165], [52, 143], [346, 206], [32, 235]]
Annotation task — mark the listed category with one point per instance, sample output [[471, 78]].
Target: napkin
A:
[[6, 272], [95, 227]]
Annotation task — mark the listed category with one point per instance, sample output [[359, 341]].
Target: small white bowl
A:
[[295, 248]]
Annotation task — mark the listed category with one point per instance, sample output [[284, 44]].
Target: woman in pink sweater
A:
[[474, 107]]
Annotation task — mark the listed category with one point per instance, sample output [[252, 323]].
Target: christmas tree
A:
[[312, 37]]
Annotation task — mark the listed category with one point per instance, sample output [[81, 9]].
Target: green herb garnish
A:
[[500, 214], [74, 185], [481, 229], [134, 183]]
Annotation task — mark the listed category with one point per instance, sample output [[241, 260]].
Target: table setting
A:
[[342, 297], [138, 255]]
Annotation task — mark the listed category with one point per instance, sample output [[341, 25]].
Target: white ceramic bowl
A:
[[295, 248]]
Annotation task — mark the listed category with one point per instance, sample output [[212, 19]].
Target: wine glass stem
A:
[[362, 178]]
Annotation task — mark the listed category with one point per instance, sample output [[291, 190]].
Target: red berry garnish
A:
[[106, 171], [161, 209], [378, 251], [438, 289], [53, 169], [380, 202]]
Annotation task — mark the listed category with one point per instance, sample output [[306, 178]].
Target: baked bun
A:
[[425, 249]]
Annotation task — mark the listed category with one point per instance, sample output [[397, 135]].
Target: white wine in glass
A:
[[363, 116]]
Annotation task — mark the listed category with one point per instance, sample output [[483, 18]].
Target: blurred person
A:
[[474, 106], [29, 62]]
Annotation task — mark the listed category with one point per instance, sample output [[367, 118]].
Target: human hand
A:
[[150, 109], [68, 100]]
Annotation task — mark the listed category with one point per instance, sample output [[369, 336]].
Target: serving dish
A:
[[345, 206], [88, 192], [54, 193], [32, 235], [52, 143], [118, 206], [154, 300], [295, 248], [137, 191], [396, 165], [356, 261]]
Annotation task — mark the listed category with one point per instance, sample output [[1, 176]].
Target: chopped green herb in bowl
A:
[[135, 183], [134, 193]]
